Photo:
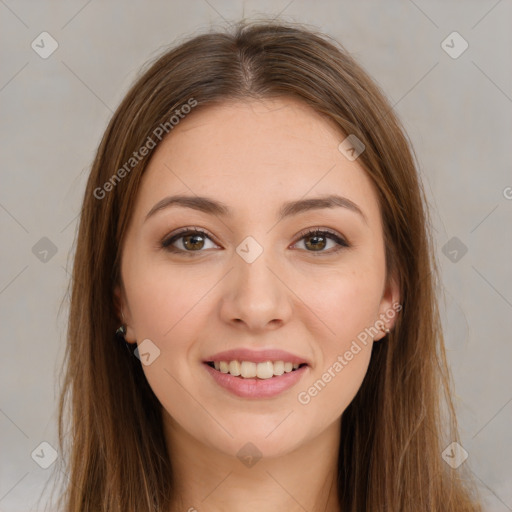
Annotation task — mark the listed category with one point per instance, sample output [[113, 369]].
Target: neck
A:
[[209, 480]]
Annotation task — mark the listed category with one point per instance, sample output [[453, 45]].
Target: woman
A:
[[255, 231]]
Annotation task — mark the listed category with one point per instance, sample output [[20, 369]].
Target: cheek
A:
[[347, 306], [165, 305], [170, 307], [163, 299], [347, 303]]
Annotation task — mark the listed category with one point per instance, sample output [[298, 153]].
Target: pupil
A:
[[316, 237], [195, 237]]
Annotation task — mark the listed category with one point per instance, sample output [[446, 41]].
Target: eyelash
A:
[[342, 243]]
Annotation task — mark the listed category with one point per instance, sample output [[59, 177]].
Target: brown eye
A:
[[316, 241], [194, 241], [187, 241]]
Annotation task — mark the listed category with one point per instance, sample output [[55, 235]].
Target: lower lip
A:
[[256, 388]]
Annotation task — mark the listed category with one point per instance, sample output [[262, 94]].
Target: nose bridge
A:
[[255, 293], [253, 267]]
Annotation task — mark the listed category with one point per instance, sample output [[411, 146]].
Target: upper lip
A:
[[257, 356]]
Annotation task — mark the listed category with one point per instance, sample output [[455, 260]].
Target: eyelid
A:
[[322, 230], [168, 239]]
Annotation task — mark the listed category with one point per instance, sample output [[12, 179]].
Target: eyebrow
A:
[[288, 209]]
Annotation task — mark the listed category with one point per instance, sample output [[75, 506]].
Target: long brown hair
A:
[[394, 431]]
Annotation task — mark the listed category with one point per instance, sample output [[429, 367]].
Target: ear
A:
[[389, 306], [123, 315]]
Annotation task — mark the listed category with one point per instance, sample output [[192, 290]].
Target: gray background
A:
[[457, 112]]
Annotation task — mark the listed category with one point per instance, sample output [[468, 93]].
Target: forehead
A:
[[254, 155]]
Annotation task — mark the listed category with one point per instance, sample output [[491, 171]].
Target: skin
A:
[[253, 156]]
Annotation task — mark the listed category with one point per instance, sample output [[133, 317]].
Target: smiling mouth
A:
[[251, 370]]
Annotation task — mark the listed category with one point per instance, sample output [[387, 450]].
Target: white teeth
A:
[[249, 370], [265, 370], [278, 368], [234, 368]]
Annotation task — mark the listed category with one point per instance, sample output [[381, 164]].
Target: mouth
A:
[[255, 370], [256, 374]]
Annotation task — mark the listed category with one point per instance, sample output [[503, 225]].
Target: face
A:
[[258, 269]]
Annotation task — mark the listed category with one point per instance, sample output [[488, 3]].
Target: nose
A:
[[255, 295]]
